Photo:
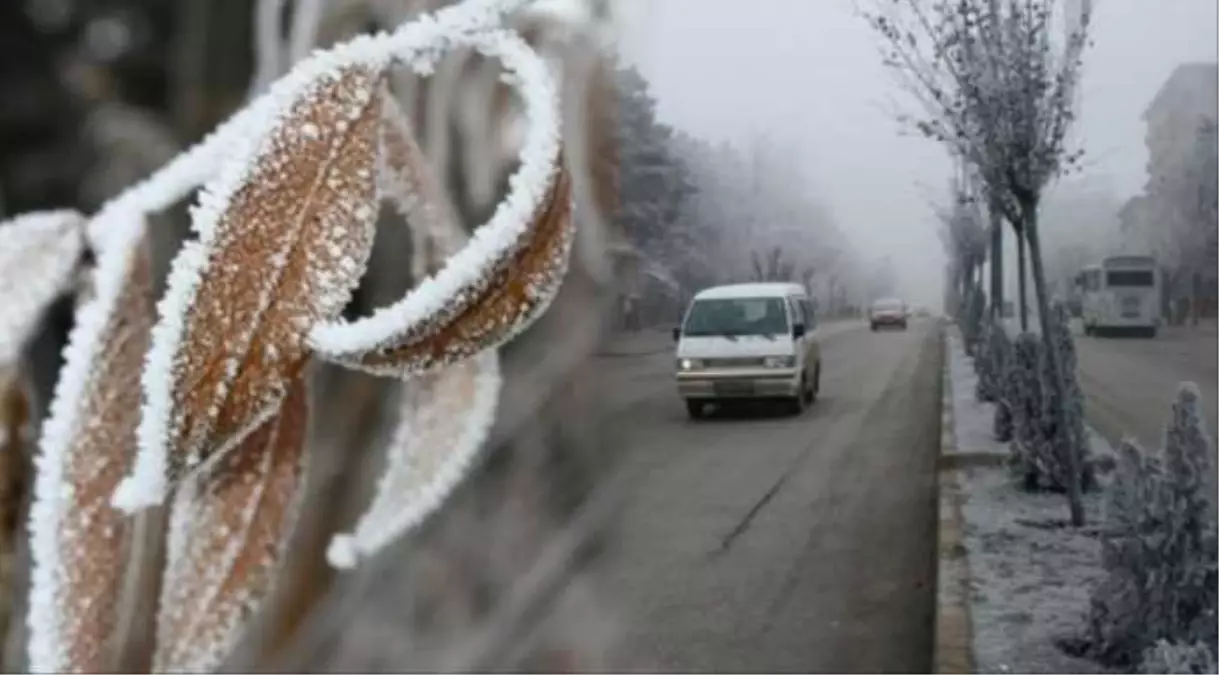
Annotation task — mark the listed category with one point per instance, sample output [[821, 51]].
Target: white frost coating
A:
[[38, 253], [47, 653], [444, 425], [193, 167], [417, 43], [528, 187], [146, 486]]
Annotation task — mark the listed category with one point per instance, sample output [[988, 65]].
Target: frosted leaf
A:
[[445, 418], [491, 309], [79, 544], [508, 273], [284, 238], [229, 525], [38, 253]]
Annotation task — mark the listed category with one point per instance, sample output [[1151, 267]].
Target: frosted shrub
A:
[[994, 351], [1027, 387], [1023, 389], [975, 311], [1072, 435], [1160, 551], [981, 360], [1040, 445], [1172, 657], [201, 402], [1001, 372]]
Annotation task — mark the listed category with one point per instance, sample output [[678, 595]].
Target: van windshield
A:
[[736, 316], [1131, 278]]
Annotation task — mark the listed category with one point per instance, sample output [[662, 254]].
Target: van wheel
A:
[[694, 409], [810, 392], [797, 403]]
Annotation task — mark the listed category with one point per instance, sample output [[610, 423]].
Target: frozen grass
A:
[[1031, 575]]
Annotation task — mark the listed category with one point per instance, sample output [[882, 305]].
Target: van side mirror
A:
[[676, 333], [798, 331]]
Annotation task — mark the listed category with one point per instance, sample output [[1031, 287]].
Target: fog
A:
[[807, 73]]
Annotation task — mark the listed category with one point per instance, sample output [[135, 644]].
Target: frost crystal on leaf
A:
[[228, 528], [446, 416], [79, 543], [508, 273], [284, 236], [38, 253]]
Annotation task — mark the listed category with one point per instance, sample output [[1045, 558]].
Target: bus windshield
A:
[[736, 316], [1130, 279]]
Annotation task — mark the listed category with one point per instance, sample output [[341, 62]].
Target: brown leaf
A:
[[229, 527], [15, 433], [38, 253], [286, 251], [512, 291], [80, 544]]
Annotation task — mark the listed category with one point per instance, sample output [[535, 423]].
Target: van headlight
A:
[[689, 364], [779, 362]]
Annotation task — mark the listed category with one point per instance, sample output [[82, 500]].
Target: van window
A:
[[1130, 279], [797, 312], [810, 315], [736, 316]]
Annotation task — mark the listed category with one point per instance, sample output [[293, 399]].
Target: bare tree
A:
[[997, 88], [964, 237]]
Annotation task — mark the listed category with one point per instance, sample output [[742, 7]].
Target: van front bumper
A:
[[739, 384]]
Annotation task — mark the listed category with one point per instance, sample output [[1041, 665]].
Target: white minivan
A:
[[748, 341]]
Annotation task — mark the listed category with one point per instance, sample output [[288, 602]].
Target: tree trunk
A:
[[1023, 281], [1059, 382], [996, 263]]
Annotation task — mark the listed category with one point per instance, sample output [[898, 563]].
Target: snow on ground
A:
[[1030, 577], [973, 419]]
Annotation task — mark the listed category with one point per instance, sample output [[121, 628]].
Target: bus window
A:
[[1130, 279]]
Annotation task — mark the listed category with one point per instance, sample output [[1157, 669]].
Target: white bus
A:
[[1121, 293]]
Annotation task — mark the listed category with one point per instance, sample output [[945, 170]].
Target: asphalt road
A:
[[1130, 383], [758, 542]]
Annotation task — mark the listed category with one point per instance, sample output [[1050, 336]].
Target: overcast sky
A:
[[807, 73]]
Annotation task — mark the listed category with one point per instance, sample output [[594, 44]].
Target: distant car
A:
[[888, 313], [749, 341]]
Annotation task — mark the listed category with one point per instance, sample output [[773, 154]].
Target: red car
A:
[[888, 312]]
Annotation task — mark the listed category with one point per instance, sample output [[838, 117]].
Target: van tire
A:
[[797, 403], [695, 409]]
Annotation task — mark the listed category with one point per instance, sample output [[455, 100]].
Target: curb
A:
[[952, 651]]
